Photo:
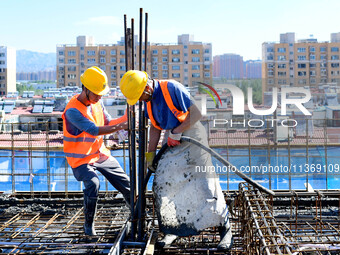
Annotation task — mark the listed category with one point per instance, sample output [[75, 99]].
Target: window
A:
[[113, 52], [270, 57], [322, 57], [120, 112], [301, 57], [175, 60], [71, 68], [206, 67], [206, 74], [176, 67], [91, 60], [122, 68], [154, 52], [175, 52], [103, 68], [301, 65], [164, 59], [323, 65], [165, 74], [322, 49], [282, 81], [82, 57], [206, 51], [91, 53], [335, 57], [281, 73], [113, 68], [302, 81], [155, 67], [122, 52], [312, 65], [206, 59], [154, 74], [195, 67], [302, 73], [280, 58], [61, 61], [71, 53], [195, 51], [335, 49], [122, 60], [71, 61], [71, 76], [61, 53], [195, 75], [270, 49], [164, 51], [270, 65], [312, 57], [282, 50], [102, 52], [334, 73], [301, 49], [176, 75], [312, 49], [334, 65], [113, 75], [164, 67], [102, 60], [281, 66], [195, 59], [154, 60], [113, 60]]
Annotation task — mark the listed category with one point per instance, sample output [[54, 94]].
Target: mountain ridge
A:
[[31, 61]]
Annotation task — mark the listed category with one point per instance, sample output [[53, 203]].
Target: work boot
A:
[[90, 209], [226, 240], [166, 241]]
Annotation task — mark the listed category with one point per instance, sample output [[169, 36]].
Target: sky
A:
[[238, 26]]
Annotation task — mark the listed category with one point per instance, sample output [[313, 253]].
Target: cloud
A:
[[102, 20]]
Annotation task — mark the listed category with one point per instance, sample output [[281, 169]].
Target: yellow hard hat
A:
[[95, 80], [132, 85]]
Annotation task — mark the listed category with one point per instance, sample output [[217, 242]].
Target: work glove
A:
[[149, 156], [174, 139]]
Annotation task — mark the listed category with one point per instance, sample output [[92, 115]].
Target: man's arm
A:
[[193, 116], [105, 130], [155, 134]]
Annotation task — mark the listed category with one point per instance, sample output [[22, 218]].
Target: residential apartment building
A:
[[7, 70], [253, 69], [229, 66], [187, 61], [300, 63]]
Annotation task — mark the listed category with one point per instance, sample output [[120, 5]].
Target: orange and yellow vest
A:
[[84, 148], [180, 115]]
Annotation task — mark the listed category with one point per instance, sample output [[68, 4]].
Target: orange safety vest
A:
[[181, 116], [84, 148]]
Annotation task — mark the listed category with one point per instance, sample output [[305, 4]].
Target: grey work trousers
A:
[[111, 170]]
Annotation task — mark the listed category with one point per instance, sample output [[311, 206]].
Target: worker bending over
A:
[[85, 123], [187, 201]]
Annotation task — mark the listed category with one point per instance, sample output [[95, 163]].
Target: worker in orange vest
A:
[[187, 201], [85, 121]]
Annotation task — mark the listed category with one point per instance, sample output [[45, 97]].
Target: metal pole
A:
[[131, 136], [141, 144]]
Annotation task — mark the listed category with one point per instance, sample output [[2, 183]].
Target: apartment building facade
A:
[[300, 63], [229, 66], [7, 70], [188, 61]]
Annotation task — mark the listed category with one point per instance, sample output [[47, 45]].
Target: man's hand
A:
[[149, 156], [174, 139]]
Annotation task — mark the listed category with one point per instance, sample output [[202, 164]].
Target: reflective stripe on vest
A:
[[84, 148], [180, 115]]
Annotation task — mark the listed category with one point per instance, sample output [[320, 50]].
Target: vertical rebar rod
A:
[[30, 158], [141, 144], [48, 166], [326, 161], [307, 153], [289, 160], [13, 158]]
